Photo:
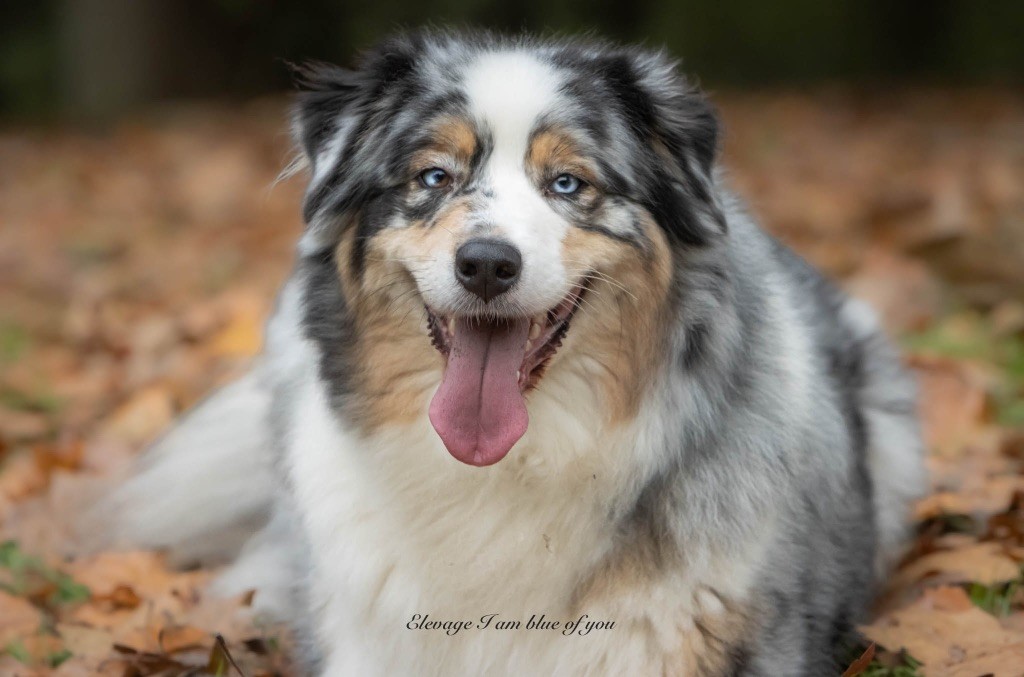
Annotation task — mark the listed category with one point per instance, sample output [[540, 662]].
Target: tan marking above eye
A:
[[453, 142], [553, 152]]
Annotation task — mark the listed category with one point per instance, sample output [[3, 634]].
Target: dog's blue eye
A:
[[565, 184], [435, 177]]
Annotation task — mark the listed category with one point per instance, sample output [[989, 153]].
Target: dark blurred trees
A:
[[97, 57]]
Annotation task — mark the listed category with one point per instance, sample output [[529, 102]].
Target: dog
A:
[[539, 397]]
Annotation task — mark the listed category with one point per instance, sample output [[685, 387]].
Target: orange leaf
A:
[[176, 638], [861, 664], [121, 597]]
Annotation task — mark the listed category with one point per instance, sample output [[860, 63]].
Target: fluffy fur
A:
[[719, 454]]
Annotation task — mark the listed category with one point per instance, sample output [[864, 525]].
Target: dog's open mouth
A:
[[478, 410]]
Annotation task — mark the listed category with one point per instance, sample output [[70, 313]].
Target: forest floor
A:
[[138, 262]]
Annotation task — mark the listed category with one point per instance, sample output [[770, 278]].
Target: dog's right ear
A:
[[326, 92], [324, 124], [342, 150]]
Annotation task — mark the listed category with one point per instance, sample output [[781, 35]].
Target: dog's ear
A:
[[326, 93], [324, 118], [680, 128], [664, 104], [337, 122]]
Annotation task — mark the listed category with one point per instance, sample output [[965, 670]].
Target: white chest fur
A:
[[398, 530]]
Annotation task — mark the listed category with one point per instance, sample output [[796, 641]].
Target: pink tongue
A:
[[478, 410]]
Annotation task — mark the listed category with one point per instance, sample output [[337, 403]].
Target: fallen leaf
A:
[[953, 402], [861, 663], [176, 638], [243, 334], [41, 649], [203, 319], [1007, 527], [140, 418], [21, 476], [949, 599], [18, 618], [85, 641], [1008, 318], [904, 292], [21, 426], [983, 563], [943, 629], [121, 597], [50, 457]]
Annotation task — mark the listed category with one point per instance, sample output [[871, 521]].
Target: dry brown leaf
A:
[[79, 667], [140, 418], [43, 525], [21, 476], [85, 641], [985, 501], [18, 618], [943, 629], [1007, 527], [948, 599], [203, 319], [953, 402], [243, 334], [903, 291], [1008, 318], [121, 597], [1006, 662], [21, 426], [983, 563], [40, 647], [9, 665], [66, 457], [176, 638], [978, 484], [1013, 444], [146, 572], [861, 663]]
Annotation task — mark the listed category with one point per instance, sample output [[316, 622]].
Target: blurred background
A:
[[142, 233], [101, 57]]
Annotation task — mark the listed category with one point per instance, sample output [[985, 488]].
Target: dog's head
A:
[[480, 195]]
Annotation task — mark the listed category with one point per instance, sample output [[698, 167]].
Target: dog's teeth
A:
[[519, 374], [451, 326], [534, 331], [529, 344]]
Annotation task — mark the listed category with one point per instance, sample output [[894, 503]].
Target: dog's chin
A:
[[479, 409]]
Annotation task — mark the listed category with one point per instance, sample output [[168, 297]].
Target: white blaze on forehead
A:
[[509, 91]]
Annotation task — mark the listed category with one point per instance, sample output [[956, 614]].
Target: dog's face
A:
[[498, 211]]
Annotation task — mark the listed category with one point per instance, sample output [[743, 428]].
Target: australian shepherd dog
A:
[[539, 398]]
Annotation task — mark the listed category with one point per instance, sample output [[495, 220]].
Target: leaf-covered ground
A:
[[138, 262]]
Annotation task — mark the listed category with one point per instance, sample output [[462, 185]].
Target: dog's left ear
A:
[[664, 103], [680, 129]]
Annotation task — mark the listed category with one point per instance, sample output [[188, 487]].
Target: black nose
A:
[[487, 267]]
